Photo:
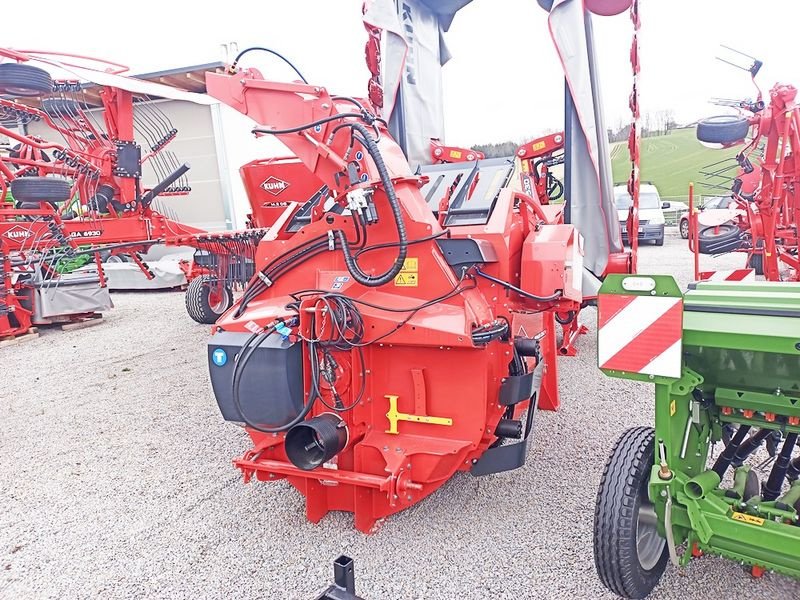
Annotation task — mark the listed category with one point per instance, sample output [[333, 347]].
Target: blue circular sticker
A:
[[364, 177], [359, 155], [317, 128], [219, 357]]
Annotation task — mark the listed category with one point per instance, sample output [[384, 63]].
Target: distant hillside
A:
[[671, 162]]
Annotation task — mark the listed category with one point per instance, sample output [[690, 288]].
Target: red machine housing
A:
[[413, 361]]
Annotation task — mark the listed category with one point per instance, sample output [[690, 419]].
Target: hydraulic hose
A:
[[725, 459], [772, 488], [388, 186], [750, 445], [248, 349]]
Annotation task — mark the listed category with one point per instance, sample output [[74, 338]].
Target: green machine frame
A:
[[741, 368]]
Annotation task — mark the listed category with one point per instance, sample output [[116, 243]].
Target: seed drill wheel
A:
[[24, 80], [629, 554], [205, 302]]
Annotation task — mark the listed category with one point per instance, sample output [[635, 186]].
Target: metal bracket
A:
[[689, 380]]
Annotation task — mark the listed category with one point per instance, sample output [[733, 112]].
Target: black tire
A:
[[717, 240], [198, 304], [24, 80], [59, 108], [660, 241], [622, 495], [684, 228], [40, 189], [756, 262], [724, 129]]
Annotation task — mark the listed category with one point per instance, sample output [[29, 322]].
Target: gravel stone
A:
[[116, 482]]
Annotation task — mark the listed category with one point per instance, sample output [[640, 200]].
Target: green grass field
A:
[[670, 162]]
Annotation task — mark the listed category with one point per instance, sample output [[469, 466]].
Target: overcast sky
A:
[[504, 81]]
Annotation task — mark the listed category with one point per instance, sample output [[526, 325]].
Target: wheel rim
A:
[[685, 229], [649, 545], [217, 300]]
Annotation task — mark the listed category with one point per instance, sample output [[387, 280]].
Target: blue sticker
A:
[[317, 128], [364, 177], [359, 155], [219, 357], [342, 279]]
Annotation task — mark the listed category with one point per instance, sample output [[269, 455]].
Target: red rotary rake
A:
[[85, 194], [764, 220]]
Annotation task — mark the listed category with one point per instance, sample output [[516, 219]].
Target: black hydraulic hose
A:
[[248, 348], [725, 459], [772, 488], [519, 291], [260, 49], [307, 125], [750, 445], [394, 204]]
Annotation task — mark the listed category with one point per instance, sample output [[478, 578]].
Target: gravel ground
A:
[[118, 484]]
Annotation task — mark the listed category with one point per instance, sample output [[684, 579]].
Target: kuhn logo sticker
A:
[[18, 233], [273, 185]]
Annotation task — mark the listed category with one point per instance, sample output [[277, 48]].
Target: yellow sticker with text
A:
[[748, 519], [455, 154], [408, 275], [538, 146]]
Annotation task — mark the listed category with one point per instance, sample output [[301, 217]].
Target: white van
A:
[[651, 214]]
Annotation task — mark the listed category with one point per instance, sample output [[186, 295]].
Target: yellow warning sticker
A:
[[408, 275], [455, 154], [538, 146], [673, 408], [406, 280], [411, 264], [748, 519]]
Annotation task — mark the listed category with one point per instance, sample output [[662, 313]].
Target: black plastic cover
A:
[[271, 389]]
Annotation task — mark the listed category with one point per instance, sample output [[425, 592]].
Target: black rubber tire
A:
[[723, 129], [24, 80], [756, 262], [622, 488], [660, 241], [58, 108], [717, 240], [197, 301], [683, 227], [40, 189]]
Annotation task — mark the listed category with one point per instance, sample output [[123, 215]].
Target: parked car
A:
[[720, 202], [673, 209], [651, 215]]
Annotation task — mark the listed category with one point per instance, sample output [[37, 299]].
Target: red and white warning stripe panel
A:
[[640, 334], [735, 275]]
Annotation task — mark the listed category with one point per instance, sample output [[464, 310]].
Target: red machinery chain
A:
[[634, 139]]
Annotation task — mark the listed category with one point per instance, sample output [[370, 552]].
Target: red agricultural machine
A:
[[400, 325], [762, 221], [84, 193]]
